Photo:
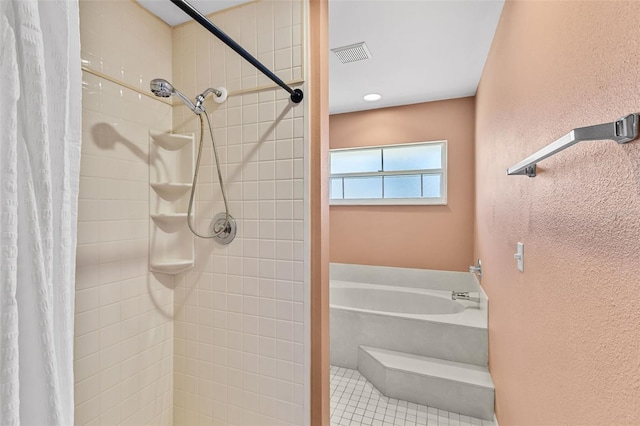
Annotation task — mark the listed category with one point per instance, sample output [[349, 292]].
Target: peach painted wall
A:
[[432, 237], [564, 339]]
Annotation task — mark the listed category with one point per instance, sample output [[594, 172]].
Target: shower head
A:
[[161, 87]]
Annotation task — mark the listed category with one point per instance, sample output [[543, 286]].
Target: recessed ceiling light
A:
[[372, 97]]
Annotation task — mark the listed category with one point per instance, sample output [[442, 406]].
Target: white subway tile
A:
[[284, 209], [267, 308], [266, 170], [251, 267], [267, 249], [284, 330], [267, 366], [267, 229], [298, 291], [234, 303], [284, 290], [251, 324], [283, 59], [267, 268], [284, 350], [284, 310], [284, 169], [251, 286], [284, 270], [251, 305]]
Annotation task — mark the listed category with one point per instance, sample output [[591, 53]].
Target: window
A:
[[414, 173]]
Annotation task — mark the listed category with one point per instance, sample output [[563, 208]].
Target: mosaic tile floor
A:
[[355, 402]]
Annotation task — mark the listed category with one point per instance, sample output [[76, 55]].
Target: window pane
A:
[[362, 187], [431, 186], [402, 186], [335, 190], [369, 160], [415, 157]]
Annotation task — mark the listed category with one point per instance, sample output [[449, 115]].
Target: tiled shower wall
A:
[[124, 330], [239, 314]]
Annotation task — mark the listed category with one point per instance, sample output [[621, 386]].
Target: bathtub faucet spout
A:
[[464, 295]]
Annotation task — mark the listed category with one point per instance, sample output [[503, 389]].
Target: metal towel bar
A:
[[622, 131]]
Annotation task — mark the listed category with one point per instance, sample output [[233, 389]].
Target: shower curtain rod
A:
[[296, 95]]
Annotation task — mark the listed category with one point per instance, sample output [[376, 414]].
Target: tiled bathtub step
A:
[[461, 388]]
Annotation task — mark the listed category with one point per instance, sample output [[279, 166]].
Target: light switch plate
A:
[[519, 256]]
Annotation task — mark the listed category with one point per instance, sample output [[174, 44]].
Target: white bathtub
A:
[[406, 310], [392, 300]]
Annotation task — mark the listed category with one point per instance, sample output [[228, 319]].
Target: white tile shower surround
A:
[[355, 402], [239, 314], [233, 353], [123, 332]]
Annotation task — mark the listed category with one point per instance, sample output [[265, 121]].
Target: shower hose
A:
[[218, 228]]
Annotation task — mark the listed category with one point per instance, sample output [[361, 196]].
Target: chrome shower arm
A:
[[210, 90], [219, 96], [199, 106]]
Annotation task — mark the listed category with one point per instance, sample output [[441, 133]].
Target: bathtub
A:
[[392, 300], [406, 310]]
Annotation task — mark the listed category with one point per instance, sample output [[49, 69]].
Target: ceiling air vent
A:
[[352, 53]]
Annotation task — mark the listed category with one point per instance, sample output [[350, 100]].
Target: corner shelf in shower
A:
[[171, 141], [172, 266], [170, 222], [171, 243], [170, 191]]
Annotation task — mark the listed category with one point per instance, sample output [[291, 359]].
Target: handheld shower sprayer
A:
[[224, 227], [162, 88]]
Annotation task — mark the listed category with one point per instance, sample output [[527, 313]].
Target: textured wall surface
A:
[[431, 237], [239, 314], [564, 341], [123, 328]]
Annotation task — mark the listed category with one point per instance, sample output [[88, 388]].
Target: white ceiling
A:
[[172, 15], [421, 50]]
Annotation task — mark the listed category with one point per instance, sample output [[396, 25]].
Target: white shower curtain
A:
[[40, 114]]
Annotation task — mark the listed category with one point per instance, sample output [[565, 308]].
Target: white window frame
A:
[[439, 201]]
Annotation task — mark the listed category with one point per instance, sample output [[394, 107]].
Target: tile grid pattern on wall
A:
[[123, 328], [355, 402], [239, 315]]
